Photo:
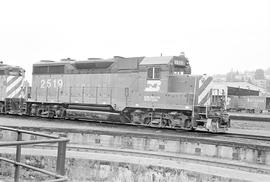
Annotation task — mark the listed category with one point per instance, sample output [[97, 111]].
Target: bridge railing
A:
[[61, 153]]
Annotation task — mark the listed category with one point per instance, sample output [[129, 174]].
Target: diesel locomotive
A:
[[151, 91]]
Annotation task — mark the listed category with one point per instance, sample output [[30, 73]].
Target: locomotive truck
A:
[[152, 91]]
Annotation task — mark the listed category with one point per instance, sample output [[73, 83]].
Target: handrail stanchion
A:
[[61, 156], [18, 158]]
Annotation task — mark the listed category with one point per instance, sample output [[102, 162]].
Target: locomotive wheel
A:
[[214, 126], [3, 110], [167, 123], [188, 124], [163, 123], [147, 121]]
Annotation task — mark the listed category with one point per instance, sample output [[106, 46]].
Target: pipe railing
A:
[[61, 153]]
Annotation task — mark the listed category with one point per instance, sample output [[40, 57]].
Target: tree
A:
[[267, 71], [259, 74]]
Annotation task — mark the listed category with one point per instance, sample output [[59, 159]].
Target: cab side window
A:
[[153, 73]]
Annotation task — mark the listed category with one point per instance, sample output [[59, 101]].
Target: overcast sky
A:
[[216, 35]]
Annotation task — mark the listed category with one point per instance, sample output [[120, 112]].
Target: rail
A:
[[61, 153]]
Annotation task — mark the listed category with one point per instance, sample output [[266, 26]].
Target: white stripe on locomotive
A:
[[15, 92], [15, 86], [203, 98], [10, 78]]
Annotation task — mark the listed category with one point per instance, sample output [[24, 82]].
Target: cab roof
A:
[[156, 60]]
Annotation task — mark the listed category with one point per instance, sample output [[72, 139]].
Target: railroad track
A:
[[262, 169], [246, 136], [170, 131]]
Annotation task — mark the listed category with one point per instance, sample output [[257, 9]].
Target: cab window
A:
[[14, 73], [153, 73]]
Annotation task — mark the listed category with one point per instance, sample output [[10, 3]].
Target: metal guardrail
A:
[[61, 153]]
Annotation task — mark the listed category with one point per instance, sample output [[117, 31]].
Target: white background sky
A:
[[216, 35]]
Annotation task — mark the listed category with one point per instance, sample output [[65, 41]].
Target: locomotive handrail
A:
[[61, 153], [194, 97], [60, 178], [29, 132]]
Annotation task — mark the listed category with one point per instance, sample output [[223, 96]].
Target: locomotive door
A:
[[267, 106], [127, 96]]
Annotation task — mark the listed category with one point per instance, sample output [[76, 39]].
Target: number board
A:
[[179, 62], [51, 83]]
